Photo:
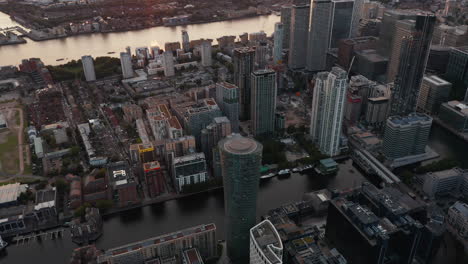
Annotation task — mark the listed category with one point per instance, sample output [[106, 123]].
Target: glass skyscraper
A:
[[241, 159]]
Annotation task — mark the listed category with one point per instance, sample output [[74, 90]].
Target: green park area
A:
[[9, 162], [103, 66]]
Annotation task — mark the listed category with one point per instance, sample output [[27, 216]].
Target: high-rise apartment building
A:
[[168, 64], [189, 169], [406, 135], [412, 63], [243, 60], [88, 68], [212, 134], [126, 64], [342, 14], [434, 91], [278, 43], [263, 103], [227, 97], [185, 41], [328, 103], [286, 21], [205, 49], [241, 160], [299, 34], [319, 34], [266, 246]]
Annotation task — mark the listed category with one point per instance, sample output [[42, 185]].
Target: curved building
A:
[[241, 159], [265, 244]]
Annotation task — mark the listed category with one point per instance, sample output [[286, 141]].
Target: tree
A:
[[104, 205], [62, 186], [81, 211], [407, 176]]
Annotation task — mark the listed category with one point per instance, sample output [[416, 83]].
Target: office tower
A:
[[201, 237], [185, 41], [243, 60], [434, 91], [261, 55], [457, 67], [411, 66], [241, 159], [328, 101], [189, 169], [168, 64], [126, 64], [438, 59], [142, 53], [376, 222], [340, 21], [257, 37], [227, 97], [154, 177], [445, 182], [266, 246], [298, 34], [286, 21], [451, 36], [377, 110], [406, 135], [455, 115], [388, 28], [263, 104], [347, 49], [357, 15], [278, 43], [206, 54], [212, 134], [88, 68], [319, 34]]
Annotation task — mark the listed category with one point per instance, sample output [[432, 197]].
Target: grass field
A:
[[9, 162]]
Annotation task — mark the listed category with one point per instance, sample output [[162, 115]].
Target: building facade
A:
[[243, 60], [266, 246], [189, 169], [240, 162], [434, 91], [263, 102], [278, 43], [227, 97], [205, 49], [299, 34], [328, 103], [168, 64], [88, 68], [126, 64], [319, 32]]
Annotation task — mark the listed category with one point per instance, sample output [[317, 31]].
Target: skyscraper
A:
[[263, 102], [278, 44], [388, 28], [340, 21], [411, 66], [88, 68], [261, 55], [357, 15], [205, 48], [212, 134], [243, 60], [406, 135], [227, 97], [319, 34], [126, 64], [286, 21], [241, 159], [168, 64], [328, 102], [185, 41], [298, 34]]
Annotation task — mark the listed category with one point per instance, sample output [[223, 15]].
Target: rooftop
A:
[[267, 239], [410, 119], [238, 144], [328, 162], [462, 208], [11, 192]]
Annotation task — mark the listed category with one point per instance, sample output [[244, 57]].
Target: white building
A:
[[88, 68], [189, 169], [327, 110], [278, 43], [266, 246], [205, 49], [452, 181], [126, 64], [168, 64], [458, 220]]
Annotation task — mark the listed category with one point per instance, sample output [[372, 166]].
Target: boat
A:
[[111, 52], [307, 167], [3, 244], [268, 176], [61, 59], [296, 170], [285, 172]]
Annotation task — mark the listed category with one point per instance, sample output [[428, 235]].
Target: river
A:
[[99, 44]]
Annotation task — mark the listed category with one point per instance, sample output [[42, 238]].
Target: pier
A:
[[26, 239]]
